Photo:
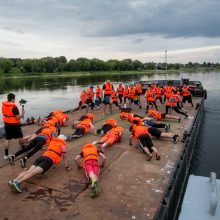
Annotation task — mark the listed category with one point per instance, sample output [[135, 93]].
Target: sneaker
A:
[[186, 116], [157, 156], [11, 160], [10, 184], [149, 157], [102, 133], [16, 187], [167, 128], [95, 190], [23, 163], [6, 157], [175, 138], [179, 119]]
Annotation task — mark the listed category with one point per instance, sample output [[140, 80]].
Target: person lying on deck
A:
[[107, 126], [82, 128], [143, 137], [83, 117], [113, 136], [91, 165], [51, 157], [159, 116], [36, 141]]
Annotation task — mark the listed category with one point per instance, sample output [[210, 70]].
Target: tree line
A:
[[60, 64]]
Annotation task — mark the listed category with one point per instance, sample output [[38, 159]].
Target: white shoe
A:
[[6, 157]]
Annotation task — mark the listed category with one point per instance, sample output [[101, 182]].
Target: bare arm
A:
[[103, 159], [91, 128], [67, 167], [77, 158], [130, 139]]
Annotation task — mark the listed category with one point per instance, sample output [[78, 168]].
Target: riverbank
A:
[[105, 73]]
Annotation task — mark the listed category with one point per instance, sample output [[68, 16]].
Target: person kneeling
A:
[[52, 156]]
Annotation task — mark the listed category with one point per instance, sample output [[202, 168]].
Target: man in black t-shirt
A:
[[11, 118]]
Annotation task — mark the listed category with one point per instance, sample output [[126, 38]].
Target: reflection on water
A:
[[44, 94]]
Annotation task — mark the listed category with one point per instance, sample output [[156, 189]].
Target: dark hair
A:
[[11, 96]]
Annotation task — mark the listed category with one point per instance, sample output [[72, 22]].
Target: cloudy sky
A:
[[137, 29]]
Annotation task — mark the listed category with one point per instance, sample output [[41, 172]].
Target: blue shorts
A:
[[107, 100]]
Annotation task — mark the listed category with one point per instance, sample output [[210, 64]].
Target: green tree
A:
[[6, 65], [60, 66]]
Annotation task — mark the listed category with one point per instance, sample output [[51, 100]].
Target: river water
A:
[[46, 94]]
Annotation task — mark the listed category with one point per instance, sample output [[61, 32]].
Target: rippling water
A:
[[46, 94]]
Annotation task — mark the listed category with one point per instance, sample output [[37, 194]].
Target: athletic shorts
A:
[[111, 138], [43, 162], [13, 131], [187, 98], [92, 165], [145, 141], [106, 128], [154, 132], [107, 100]]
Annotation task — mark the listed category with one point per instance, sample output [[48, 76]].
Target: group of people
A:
[[48, 136], [108, 95]]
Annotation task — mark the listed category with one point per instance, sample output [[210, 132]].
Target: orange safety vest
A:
[[150, 95], [108, 88], [168, 91], [84, 124], [48, 133], [83, 97], [111, 121], [186, 91], [116, 131], [140, 130], [154, 87], [138, 88], [90, 93], [89, 153], [54, 150], [159, 92], [124, 115], [114, 96], [155, 114], [120, 90], [90, 116], [8, 115], [51, 122], [172, 101], [98, 92], [126, 92], [132, 93], [57, 111]]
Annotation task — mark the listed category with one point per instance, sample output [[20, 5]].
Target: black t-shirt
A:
[[15, 110]]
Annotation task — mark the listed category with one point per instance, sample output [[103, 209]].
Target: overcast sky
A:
[[107, 29]]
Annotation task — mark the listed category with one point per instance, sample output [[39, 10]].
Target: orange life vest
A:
[[168, 91], [48, 133], [51, 122], [114, 96], [90, 116], [140, 130], [108, 88], [138, 88], [155, 114], [8, 115], [126, 92], [112, 122], [84, 124], [120, 90], [83, 97], [186, 91], [159, 92], [154, 87], [89, 153], [124, 115], [57, 111], [90, 93], [132, 93], [150, 95], [172, 101], [98, 92], [54, 150], [116, 131]]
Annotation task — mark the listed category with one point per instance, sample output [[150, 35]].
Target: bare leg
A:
[[110, 108], [172, 117], [167, 135], [154, 150], [92, 176]]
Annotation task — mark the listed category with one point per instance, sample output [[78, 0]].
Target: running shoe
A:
[[157, 156], [6, 157], [23, 163], [16, 187], [167, 128], [175, 138], [11, 160]]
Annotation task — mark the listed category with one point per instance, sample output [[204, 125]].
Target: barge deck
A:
[[133, 188]]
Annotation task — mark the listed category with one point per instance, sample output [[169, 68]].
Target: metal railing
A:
[[214, 194]]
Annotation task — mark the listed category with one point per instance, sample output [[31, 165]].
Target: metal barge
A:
[[133, 188]]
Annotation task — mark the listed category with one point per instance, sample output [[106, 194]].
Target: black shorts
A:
[[107, 100], [79, 131], [106, 128], [187, 98], [145, 141], [154, 132], [13, 131], [83, 117], [43, 162]]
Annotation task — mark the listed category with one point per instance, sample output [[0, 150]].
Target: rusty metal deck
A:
[[133, 187]]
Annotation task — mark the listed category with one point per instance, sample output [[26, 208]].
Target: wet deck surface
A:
[[132, 186]]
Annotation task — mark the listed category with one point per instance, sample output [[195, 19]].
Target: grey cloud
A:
[[138, 40], [13, 30]]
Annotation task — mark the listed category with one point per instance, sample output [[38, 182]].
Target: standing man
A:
[[107, 90], [120, 92], [11, 118]]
